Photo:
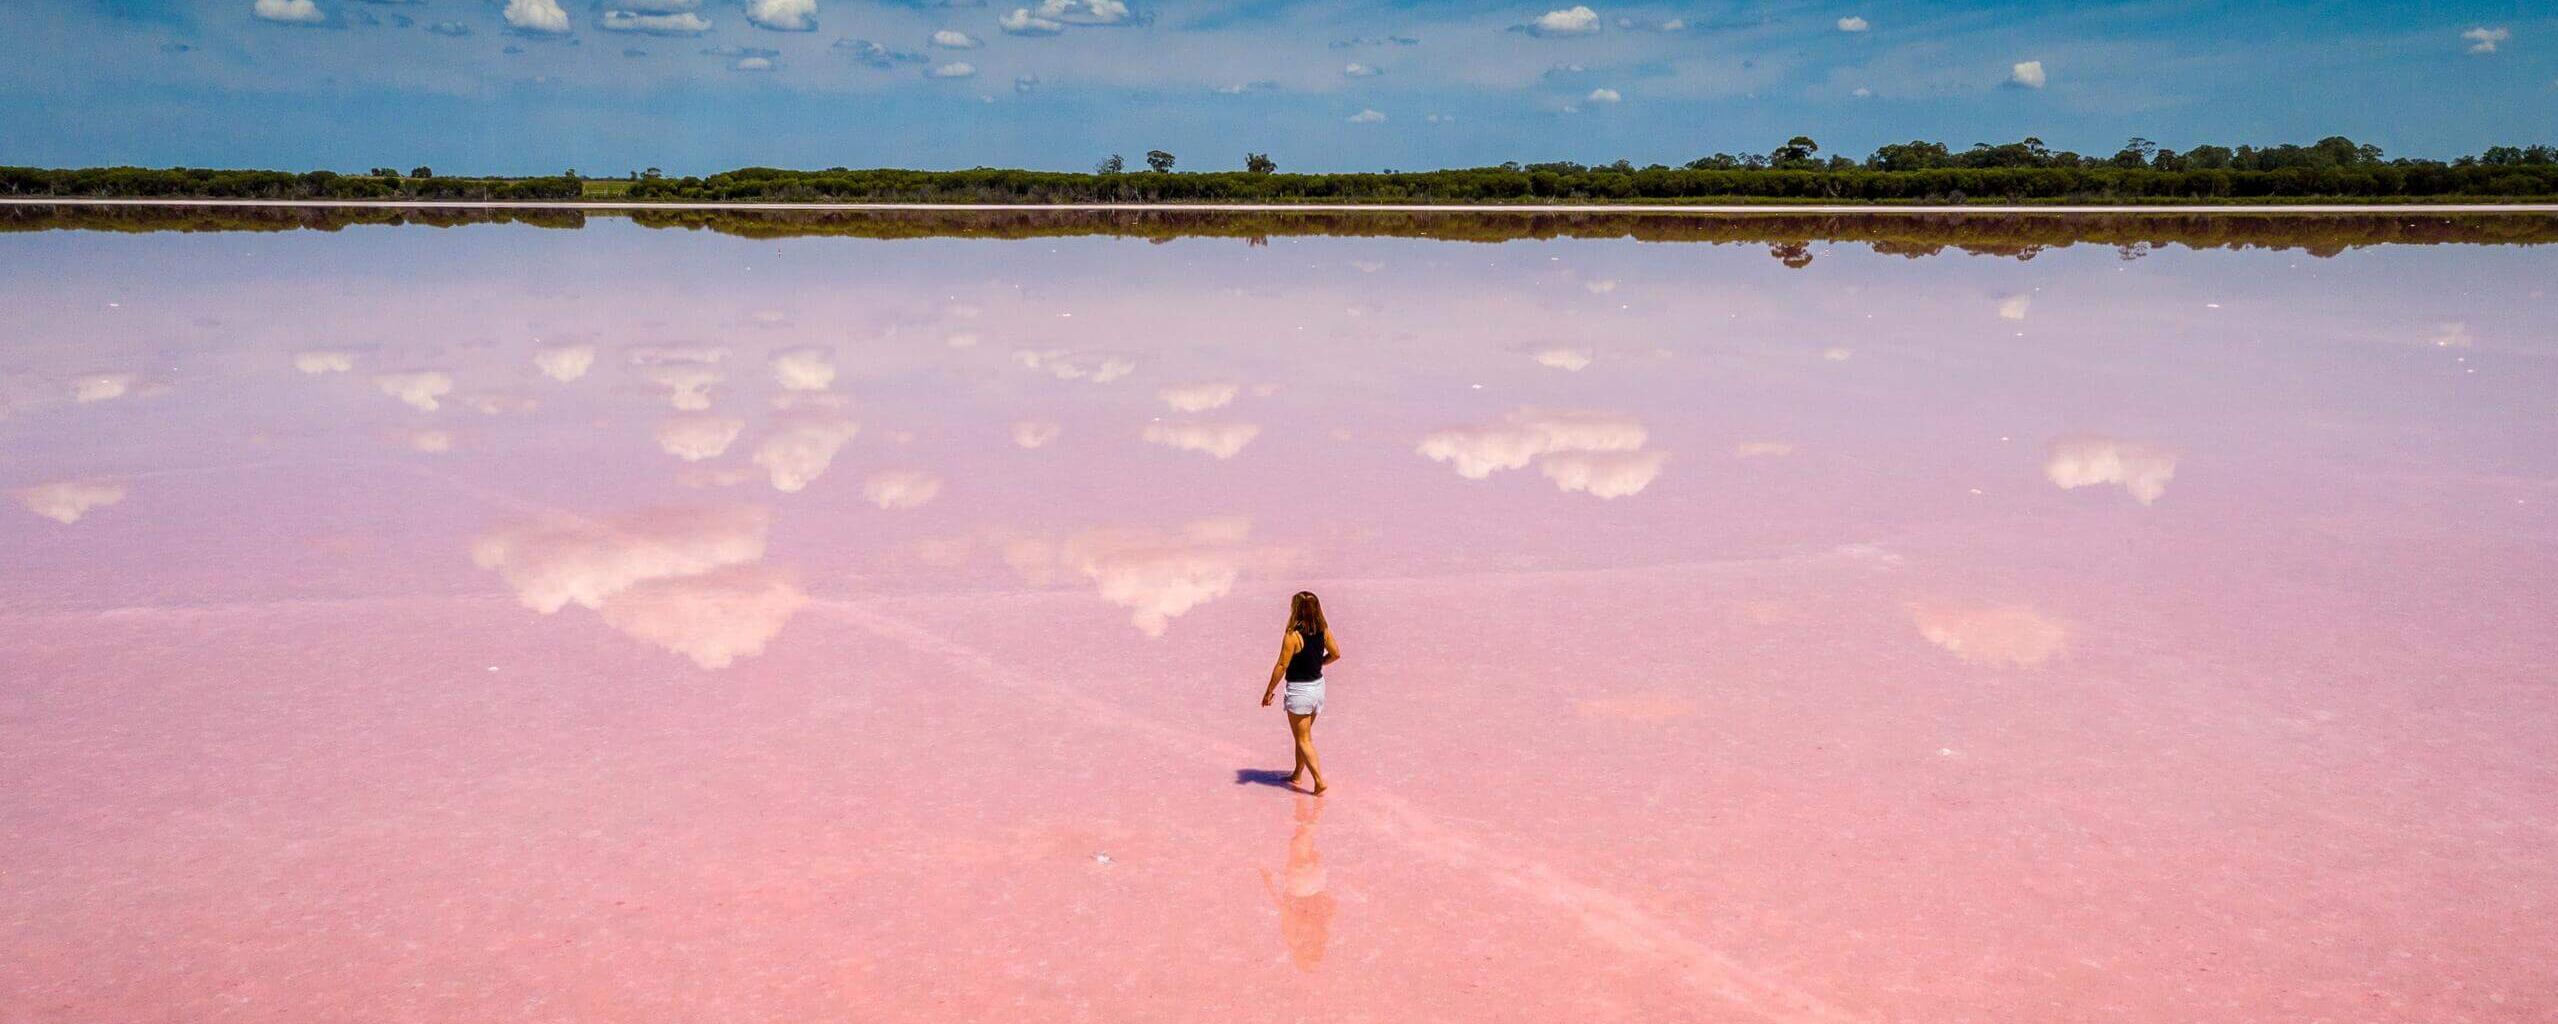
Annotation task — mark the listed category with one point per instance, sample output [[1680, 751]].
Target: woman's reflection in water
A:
[[1305, 910]]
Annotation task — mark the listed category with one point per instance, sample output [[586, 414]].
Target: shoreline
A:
[[1568, 208]]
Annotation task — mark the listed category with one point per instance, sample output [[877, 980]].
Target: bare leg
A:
[[1304, 728]]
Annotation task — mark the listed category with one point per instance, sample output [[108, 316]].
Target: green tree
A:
[[1112, 165], [1158, 160], [1259, 163], [1796, 152], [1914, 155], [422, 172], [2209, 158]]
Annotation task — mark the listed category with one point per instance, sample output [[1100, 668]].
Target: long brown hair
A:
[[1305, 615]]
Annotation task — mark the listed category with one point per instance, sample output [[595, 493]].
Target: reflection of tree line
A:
[[138, 219], [1790, 236]]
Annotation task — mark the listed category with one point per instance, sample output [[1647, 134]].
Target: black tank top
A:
[[1308, 664]]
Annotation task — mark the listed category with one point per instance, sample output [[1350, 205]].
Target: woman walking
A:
[[1303, 653]]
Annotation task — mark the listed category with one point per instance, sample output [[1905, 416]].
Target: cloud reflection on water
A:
[[1999, 635], [67, 501], [683, 578], [1598, 453], [2085, 461]]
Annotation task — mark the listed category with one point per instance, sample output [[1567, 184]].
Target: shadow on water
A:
[[1262, 777]]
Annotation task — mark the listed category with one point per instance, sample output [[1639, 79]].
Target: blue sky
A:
[[530, 86]]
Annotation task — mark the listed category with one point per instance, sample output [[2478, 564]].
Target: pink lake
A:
[[494, 623]]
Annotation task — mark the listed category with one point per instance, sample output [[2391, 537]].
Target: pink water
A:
[[1945, 639]]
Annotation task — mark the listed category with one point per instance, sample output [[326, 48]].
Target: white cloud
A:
[[1023, 23], [1083, 12], [2451, 334], [753, 64], [2142, 469], [2484, 40], [804, 369], [686, 24], [713, 618], [66, 501], [954, 69], [543, 16], [419, 388], [1602, 474], [1862, 92], [1604, 96], [698, 436], [1440, 118], [800, 448], [99, 387], [1064, 364], [783, 15], [1035, 433], [963, 339], [1762, 449], [1563, 357], [1221, 440], [1991, 634], [1357, 70], [900, 488], [2028, 74], [1601, 286], [1570, 21], [1671, 25], [1835, 354], [954, 39], [1852, 23], [2013, 307], [1199, 397], [565, 363], [1367, 117], [324, 360], [1525, 434], [290, 12]]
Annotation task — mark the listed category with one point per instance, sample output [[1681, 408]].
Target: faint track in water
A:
[[1619, 922]]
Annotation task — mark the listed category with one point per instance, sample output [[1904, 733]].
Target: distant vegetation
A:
[[2333, 169], [1792, 238]]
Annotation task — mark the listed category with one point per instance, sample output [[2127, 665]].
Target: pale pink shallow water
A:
[[1962, 639]]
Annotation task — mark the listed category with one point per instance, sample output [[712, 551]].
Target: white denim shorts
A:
[[1304, 698]]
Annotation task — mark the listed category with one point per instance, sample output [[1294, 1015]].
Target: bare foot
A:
[[1320, 787]]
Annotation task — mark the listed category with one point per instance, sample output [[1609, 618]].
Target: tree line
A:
[[2334, 168]]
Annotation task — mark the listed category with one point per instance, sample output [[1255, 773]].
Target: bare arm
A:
[[1288, 648], [1331, 651]]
